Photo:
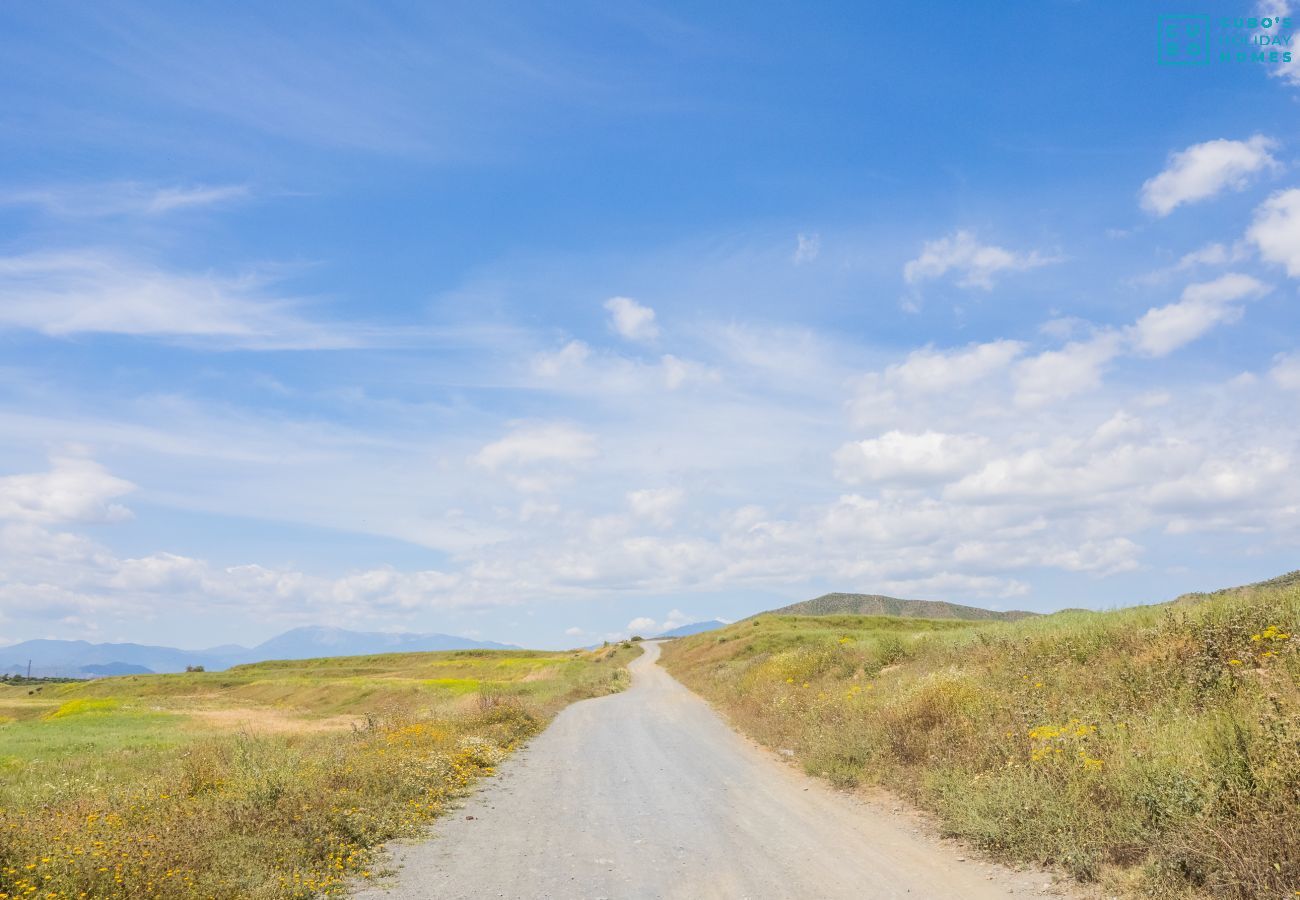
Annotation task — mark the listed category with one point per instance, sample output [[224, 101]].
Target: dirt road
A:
[[648, 794]]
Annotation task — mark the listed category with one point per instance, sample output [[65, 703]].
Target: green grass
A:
[[275, 780], [1154, 749]]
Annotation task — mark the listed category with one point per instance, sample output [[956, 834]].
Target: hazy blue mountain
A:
[[693, 628], [317, 640], [82, 658], [100, 670], [69, 658]]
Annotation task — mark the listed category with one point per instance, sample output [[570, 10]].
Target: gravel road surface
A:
[[649, 794]]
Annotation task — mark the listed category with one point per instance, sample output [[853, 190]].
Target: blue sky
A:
[[547, 323]]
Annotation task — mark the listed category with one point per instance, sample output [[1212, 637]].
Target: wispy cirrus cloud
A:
[[61, 294], [123, 198]]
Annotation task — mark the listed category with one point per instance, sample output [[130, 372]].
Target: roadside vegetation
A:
[[1155, 750], [268, 781]]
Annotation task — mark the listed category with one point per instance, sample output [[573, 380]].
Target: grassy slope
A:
[[272, 780], [1156, 749], [880, 605]]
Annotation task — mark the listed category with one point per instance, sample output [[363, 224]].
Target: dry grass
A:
[[242, 784], [1156, 750]]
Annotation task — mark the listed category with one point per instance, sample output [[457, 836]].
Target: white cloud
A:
[[568, 358], [974, 263], [905, 458], [1249, 474], [1074, 471], [1213, 255], [170, 199], [1164, 329], [543, 443], [1286, 371], [676, 619], [678, 372], [930, 370], [63, 294], [1203, 170], [75, 489], [884, 398], [631, 319], [1058, 374], [127, 198], [646, 626], [656, 505], [1209, 256], [808, 248], [53, 575], [957, 491], [1287, 71], [1276, 230], [575, 631]]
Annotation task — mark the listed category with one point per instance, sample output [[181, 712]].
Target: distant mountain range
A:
[[693, 628], [84, 659], [880, 605]]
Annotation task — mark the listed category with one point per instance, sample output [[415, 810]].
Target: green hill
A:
[[839, 604]]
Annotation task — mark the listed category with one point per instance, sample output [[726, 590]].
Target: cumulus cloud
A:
[[930, 370], [1203, 170], [656, 505], [543, 443], [900, 457], [1214, 254], [568, 358], [974, 264], [75, 489], [1059, 374], [953, 490], [1276, 230], [1246, 477], [55, 575], [882, 397], [1203, 306], [1286, 371], [632, 320], [647, 626]]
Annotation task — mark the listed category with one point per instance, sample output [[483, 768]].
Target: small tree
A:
[[194, 669]]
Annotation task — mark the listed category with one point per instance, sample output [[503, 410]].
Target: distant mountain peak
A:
[[80, 658], [692, 628]]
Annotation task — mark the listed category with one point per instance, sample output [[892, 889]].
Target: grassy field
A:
[[1156, 749], [275, 780]]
